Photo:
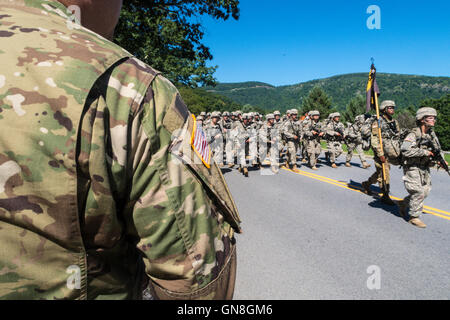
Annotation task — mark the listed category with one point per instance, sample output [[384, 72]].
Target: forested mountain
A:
[[406, 90]]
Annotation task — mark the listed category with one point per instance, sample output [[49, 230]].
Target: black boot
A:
[[385, 198]]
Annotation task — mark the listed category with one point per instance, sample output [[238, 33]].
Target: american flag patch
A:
[[200, 144]]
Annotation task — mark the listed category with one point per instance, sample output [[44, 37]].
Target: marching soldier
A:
[[252, 131], [269, 138], [240, 142], [226, 123], [214, 134], [390, 131], [334, 134], [303, 140], [292, 133], [418, 150], [313, 133], [354, 142]]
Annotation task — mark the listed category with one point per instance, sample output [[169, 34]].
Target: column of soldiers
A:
[[244, 140]]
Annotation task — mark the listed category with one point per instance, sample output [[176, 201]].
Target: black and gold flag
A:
[[372, 89]]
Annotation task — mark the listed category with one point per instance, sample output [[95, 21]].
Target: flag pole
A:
[[383, 165]]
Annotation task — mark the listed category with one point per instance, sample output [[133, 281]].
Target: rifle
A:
[[341, 132], [437, 157], [316, 126]]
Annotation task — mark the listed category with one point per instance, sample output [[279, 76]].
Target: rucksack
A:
[[366, 132]]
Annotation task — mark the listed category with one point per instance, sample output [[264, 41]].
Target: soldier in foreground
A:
[[390, 131], [94, 200], [418, 150]]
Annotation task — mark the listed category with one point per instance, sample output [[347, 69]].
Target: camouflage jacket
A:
[[332, 129], [291, 129], [94, 201], [354, 133], [416, 146], [213, 132], [269, 134], [311, 126]]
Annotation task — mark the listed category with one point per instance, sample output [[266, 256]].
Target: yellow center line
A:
[[395, 198], [345, 186]]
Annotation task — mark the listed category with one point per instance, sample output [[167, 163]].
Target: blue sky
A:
[[287, 42]]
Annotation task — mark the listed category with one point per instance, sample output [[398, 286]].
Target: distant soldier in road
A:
[[313, 133], [292, 133], [303, 140], [269, 138], [240, 142], [418, 150], [354, 142], [334, 134], [278, 125], [252, 131], [277, 115], [226, 124], [390, 133], [214, 134], [200, 120]]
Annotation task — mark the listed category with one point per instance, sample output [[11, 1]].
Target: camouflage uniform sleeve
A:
[[410, 149], [287, 130], [329, 129], [352, 134], [262, 134], [187, 245], [307, 132]]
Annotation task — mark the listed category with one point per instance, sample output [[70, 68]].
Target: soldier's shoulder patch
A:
[[176, 115]]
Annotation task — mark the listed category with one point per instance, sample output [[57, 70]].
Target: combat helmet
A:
[[386, 103], [215, 114], [424, 112]]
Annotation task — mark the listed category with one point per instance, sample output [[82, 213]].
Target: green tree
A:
[[166, 34], [442, 107], [356, 107], [407, 117], [198, 100], [317, 100]]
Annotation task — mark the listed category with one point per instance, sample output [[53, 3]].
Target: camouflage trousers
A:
[[418, 184], [334, 150], [229, 151], [269, 151], [304, 151], [377, 176], [239, 149], [253, 150], [352, 147], [217, 151], [313, 148], [292, 148]]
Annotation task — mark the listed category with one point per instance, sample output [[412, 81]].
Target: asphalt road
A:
[[314, 235]]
